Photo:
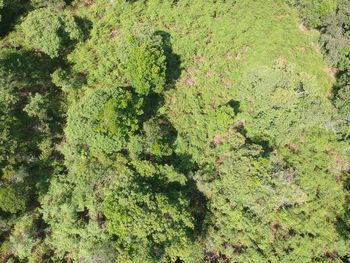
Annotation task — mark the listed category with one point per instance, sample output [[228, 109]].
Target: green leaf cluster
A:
[[104, 120], [50, 31], [145, 62]]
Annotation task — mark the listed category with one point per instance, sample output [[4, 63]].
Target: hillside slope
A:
[[170, 131]]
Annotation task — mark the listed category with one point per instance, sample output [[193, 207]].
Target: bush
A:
[[314, 11], [149, 216], [145, 62], [13, 198], [342, 101], [50, 32], [280, 104], [103, 120]]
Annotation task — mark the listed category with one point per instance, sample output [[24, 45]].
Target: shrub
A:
[[103, 120], [13, 198], [49, 31], [145, 62]]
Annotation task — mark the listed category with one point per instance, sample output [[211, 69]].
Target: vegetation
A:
[[50, 31], [175, 131]]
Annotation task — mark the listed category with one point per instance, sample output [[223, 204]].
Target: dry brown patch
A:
[[210, 73], [24, 94], [88, 2], [283, 15], [218, 139], [303, 28], [228, 55], [199, 57], [170, 25], [62, 142], [188, 80], [293, 148], [332, 72], [220, 160], [189, 71], [340, 164], [227, 82], [115, 32]]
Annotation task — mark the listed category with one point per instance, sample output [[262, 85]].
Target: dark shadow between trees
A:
[[235, 105], [173, 60], [85, 26], [10, 14]]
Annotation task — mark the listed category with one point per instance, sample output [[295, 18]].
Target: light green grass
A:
[[217, 41]]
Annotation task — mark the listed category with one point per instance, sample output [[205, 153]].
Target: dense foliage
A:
[[175, 131], [50, 31]]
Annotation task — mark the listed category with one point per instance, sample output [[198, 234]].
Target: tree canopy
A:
[[174, 131]]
